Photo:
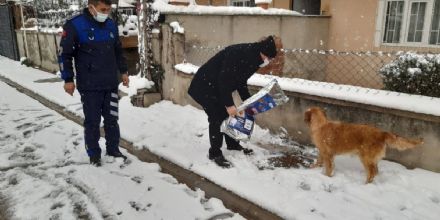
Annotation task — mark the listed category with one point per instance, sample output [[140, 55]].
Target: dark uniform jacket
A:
[[96, 51], [229, 71]]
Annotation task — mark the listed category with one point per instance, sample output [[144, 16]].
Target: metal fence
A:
[[350, 68], [53, 14]]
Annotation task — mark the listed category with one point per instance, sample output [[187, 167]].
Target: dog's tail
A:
[[401, 143]]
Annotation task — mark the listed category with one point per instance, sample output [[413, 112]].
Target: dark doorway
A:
[[8, 40], [307, 7]]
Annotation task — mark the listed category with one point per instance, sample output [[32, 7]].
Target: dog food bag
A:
[[267, 98], [240, 127]]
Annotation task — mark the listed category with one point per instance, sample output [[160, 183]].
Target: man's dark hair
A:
[[95, 2], [268, 47]]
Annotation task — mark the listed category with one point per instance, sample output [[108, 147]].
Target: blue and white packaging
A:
[[263, 104], [240, 127]]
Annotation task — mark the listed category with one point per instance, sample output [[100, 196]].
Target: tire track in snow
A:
[[25, 162]]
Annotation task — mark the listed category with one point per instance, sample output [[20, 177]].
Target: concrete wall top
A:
[[214, 30], [240, 14]]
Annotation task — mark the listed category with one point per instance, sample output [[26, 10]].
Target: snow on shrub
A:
[[128, 25], [414, 74]]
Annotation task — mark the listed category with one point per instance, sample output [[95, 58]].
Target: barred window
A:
[[416, 21], [242, 3], [434, 37], [393, 22], [410, 22]]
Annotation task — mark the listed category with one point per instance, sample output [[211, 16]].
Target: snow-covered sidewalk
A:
[[179, 134], [46, 175]]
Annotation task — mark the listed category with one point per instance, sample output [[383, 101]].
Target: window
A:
[[409, 22], [434, 36], [242, 3], [416, 20], [393, 22]]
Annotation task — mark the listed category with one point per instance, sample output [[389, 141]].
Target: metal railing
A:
[[349, 68]]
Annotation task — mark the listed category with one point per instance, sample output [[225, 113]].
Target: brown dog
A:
[[333, 138]]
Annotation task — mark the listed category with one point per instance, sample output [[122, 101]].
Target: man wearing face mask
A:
[[216, 80], [91, 40]]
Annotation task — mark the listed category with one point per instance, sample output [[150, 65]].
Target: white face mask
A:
[[265, 62], [100, 17]]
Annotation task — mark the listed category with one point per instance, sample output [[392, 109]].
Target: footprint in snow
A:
[[170, 179], [435, 200], [25, 126], [57, 205], [139, 207], [304, 186], [137, 179]]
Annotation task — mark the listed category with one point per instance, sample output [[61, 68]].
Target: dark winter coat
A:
[[228, 71], [96, 50]]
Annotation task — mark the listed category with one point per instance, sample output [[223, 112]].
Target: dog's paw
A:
[[315, 165], [329, 173], [369, 181]]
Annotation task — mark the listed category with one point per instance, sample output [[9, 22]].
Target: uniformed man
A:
[[90, 41]]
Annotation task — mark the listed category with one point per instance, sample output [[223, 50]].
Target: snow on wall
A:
[[187, 68], [263, 1], [177, 28], [382, 98], [163, 7], [136, 82]]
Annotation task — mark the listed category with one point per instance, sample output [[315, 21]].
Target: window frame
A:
[[231, 3], [404, 30], [438, 28], [384, 33]]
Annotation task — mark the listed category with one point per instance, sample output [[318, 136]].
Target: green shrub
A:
[[414, 74]]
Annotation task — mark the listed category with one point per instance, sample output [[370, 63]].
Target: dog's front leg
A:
[[329, 165], [318, 162], [372, 172]]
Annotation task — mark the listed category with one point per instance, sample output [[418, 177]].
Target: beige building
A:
[[384, 25], [369, 25], [345, 25]]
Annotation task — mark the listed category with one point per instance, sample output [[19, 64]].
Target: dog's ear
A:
[[308, 117]]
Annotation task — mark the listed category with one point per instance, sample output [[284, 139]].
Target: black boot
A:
[[95, 161], [221, 161], [116, 154], [246, 151], [235, 145]]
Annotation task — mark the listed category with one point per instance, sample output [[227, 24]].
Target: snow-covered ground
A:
[[46, 175], [179, 133]]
